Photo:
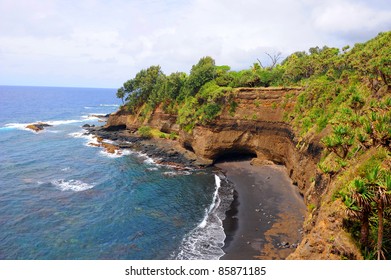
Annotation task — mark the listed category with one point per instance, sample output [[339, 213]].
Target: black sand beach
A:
[[266, 217]]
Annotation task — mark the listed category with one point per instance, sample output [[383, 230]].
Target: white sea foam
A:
[[216, 198], [89, 118], [126, 152], [6, 128], [116, 154], [152, 168], [79, 134], [91, 139], [108, 105], [93, 116], [109, 141], [71, 185], [176, 173], [100, 105], [215, 202], [206, 240], [62, 122], [22, 126], [170, 173], [149, 160]]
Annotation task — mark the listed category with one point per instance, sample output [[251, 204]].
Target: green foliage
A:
[[232, 107], [201, 73], [162, 135], [366, 200], [205, 106], [146, 85], [173, 136], [373, 60], [311, 207], [145, 131], [186, 113], [121, 94]]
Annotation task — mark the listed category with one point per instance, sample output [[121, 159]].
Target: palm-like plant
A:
[[358, 205], [382, 199]]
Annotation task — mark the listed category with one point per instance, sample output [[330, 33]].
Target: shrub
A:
[[173, 136], [145, 131], [162, 135]]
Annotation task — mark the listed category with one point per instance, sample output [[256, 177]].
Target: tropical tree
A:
[[358, 206], [373, 59], [371, 194], [142, 86], [201, 73], [121, 94], [381, 184]]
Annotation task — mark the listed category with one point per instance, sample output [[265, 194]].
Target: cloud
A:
[[353, 20], [102, 43]]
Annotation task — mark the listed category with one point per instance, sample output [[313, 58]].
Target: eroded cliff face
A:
[[258, 128]]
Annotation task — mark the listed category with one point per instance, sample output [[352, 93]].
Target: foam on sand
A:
[[206, 240]]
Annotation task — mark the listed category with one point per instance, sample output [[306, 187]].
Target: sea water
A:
[[61, 198]]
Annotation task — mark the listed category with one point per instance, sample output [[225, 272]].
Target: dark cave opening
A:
[[237, 154]]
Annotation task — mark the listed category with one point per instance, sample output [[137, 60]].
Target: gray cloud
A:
[[101, 43], [352, 20]]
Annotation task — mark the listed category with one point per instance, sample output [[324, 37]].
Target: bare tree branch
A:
[[260, 63], [274, 58]]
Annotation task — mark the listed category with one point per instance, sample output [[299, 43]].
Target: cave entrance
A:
[[236, 154], [116, 127]]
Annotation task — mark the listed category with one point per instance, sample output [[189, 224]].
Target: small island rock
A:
[[37, 126]]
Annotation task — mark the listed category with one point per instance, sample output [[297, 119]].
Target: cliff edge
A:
[[258, 127]]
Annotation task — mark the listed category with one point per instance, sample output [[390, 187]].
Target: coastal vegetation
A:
[[345, 100]]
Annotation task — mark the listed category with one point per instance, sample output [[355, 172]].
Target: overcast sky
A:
[[97, 43]]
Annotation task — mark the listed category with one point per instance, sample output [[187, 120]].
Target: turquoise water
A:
[[63, 199]]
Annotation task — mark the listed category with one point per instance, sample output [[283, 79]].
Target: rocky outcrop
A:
[[258, 128], [37, 126], [108, 147]]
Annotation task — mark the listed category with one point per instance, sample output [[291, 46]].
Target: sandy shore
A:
[[266, 217]]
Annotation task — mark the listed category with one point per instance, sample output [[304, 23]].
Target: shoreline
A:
[[163, 151], [265, 218], [257, 226]]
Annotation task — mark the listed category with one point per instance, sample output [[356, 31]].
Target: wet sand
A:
[[266, 216]]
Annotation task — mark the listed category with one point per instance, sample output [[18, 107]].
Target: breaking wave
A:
[[71, 185], [206, 240]]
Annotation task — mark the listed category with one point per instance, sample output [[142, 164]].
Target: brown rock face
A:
[[257, 128]]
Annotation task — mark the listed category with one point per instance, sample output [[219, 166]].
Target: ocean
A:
[[61, 198]]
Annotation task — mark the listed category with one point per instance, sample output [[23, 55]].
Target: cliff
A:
[[257, 127]]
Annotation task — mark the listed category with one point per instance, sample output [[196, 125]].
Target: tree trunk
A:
[[365, 230], [380, 209]]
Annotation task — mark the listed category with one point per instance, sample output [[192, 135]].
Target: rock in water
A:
[[37, 126]]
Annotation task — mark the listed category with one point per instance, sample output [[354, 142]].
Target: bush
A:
[[162, 135], [145, 131], [173, 136]]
